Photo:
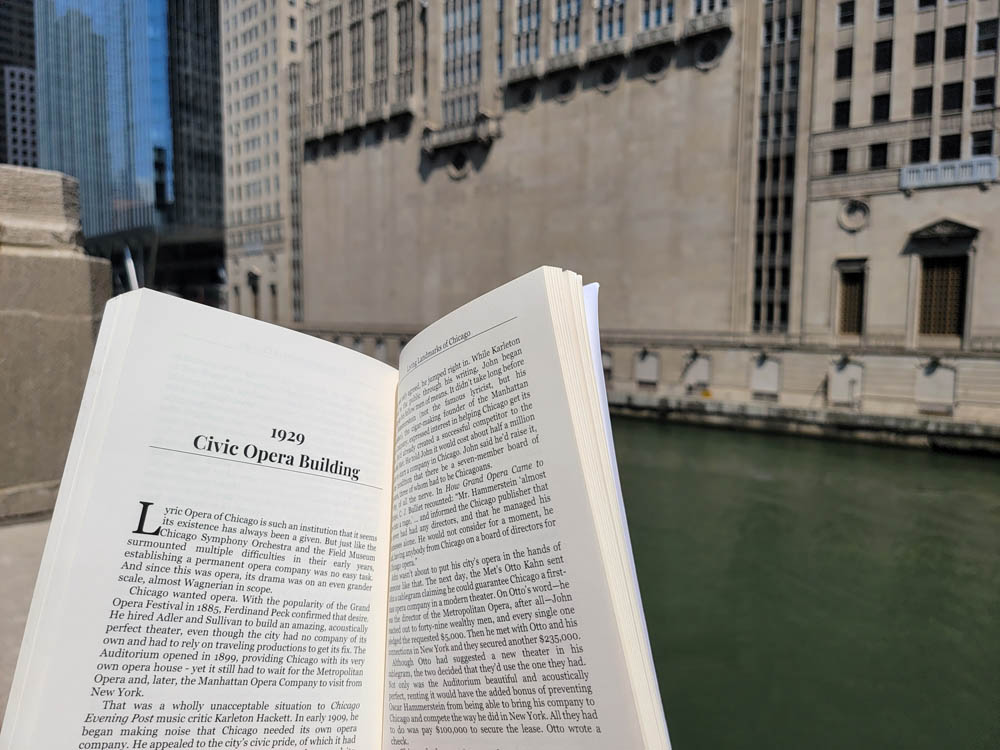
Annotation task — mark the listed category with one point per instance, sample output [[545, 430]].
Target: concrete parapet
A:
[[52, 297]]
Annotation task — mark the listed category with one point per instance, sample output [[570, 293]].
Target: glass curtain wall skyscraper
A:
[[128, 103]]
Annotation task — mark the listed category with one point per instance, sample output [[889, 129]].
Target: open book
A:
[[264, 540]]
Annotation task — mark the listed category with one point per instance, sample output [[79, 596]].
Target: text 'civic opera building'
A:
[[790, 204]]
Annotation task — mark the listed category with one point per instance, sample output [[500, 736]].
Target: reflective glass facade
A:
[[105, 108]]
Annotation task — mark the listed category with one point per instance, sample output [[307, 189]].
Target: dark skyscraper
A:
[[195, 110], [128, 103], [18, 123]]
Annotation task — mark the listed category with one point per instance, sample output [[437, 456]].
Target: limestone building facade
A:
[[261, 49], [789, 204]]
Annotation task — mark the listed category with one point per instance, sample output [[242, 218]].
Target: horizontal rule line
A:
[[457, 343], [265, 466]]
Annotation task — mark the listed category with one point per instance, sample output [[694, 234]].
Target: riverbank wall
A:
[[946, 399]]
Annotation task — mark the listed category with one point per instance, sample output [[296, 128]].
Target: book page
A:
[[217, 571], [501, 631]]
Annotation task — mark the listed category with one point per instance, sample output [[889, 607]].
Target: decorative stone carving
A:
[[945, 229], [854, 215]]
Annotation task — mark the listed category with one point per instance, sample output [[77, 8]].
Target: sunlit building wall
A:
[[260, 53]]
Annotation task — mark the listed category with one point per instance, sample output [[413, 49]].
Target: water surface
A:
[[812, 594]]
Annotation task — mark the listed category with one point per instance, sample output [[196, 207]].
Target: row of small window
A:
[[464, 45], [238, 217], [656, 13], [984, 96], [252, 166], [923, 50], [460, 109], [708, 6], [463, 72], [25, 131], [265, 49], [22, 157], [779, 124], [981, 144], [783, 29], [255, 189], [777, 77], [883, 9], [459, 15], [784, 203], [943, 285], [776, 171]]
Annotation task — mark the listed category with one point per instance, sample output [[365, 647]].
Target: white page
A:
[[590, 294], [490, 510], [192, 371]]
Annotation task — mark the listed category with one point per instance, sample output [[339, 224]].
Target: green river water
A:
[[811, 594]]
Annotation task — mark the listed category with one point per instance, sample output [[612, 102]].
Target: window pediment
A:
[[945, 229]]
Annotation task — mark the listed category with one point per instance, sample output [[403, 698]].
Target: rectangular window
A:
[[845, 62], [942, 295], [922, 4], [655, 12], [920, 150], [845, 13], [880, 108], [357, 93], [795, 27], [922, 101], [526, 31], [852, 298], [842, 114], [982, 143], [883, 55], [951, 147], [566, 23], [878, 156], [380, 58], [838, 161], [954, 42], [336, 74], [923, 49], [764, 129], [886, 8], [609, 19], [985, 95], [404, 49], [951, 96], [986, 35]]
